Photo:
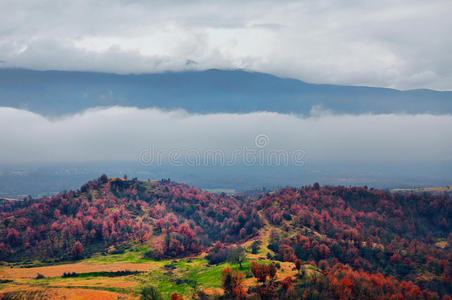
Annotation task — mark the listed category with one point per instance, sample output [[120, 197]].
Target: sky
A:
[[404, 44], [131, 135]]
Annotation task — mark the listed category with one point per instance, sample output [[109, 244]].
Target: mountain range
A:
[[52, 93]]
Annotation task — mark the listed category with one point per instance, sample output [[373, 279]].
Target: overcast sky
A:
[[391, 43]]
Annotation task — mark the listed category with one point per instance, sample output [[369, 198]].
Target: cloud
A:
[[125, 133], [401, 44]]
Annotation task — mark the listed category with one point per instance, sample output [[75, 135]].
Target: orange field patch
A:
[[98, 282], [61, 293], [58, 270], [441, 245]]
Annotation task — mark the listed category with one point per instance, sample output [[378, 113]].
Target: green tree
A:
[[237, 255], [150, 293]]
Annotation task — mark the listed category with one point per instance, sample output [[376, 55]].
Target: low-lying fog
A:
[[235, 152], [130, 134]]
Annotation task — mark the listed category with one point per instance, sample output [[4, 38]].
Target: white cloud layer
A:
[[123, 133], [401, 44]]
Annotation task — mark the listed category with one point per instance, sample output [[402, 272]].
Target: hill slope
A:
[[337, 229], [57, 92]]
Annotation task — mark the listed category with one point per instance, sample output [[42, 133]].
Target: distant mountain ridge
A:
[[210, 91]]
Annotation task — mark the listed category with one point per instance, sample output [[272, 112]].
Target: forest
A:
[[363, 243]]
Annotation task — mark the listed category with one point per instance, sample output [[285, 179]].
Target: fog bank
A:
[[126, 133]]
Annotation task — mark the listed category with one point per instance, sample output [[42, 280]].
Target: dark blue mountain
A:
[[57, 92]]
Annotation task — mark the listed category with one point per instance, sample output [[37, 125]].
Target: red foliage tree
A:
[[176, 296], [232, 282], [298, 264], [77, 250]]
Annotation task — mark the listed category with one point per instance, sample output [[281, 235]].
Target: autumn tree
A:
[[298, 265], [232, 282], [176, 296], [287, 288], [265, 274], [77, 250]]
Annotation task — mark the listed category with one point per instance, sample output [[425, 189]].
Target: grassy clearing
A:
[[129, 256], [189, 275]]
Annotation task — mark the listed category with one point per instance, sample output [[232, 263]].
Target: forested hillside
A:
[[365, 243]]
